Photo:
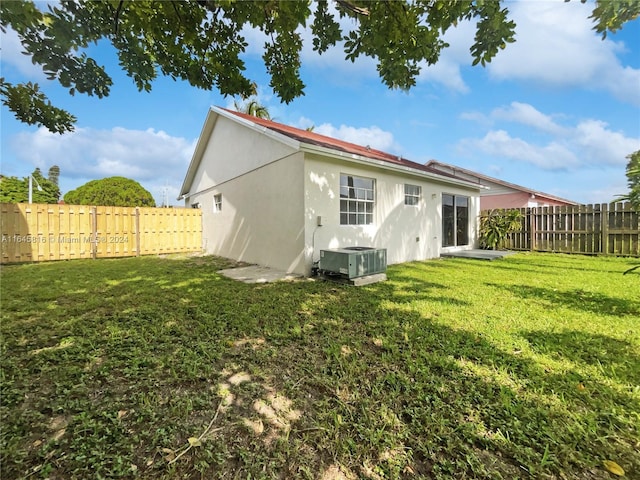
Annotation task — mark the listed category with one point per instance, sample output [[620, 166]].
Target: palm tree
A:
[[253, 108]]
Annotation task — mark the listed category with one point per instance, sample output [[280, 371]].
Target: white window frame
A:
[[357, 200], [217, 203], [412, 194]]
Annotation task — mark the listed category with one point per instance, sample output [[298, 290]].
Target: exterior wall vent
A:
[[353, 262]]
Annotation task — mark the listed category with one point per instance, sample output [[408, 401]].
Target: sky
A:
[[557, 111]]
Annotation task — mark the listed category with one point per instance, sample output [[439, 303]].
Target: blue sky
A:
[[557, 111]]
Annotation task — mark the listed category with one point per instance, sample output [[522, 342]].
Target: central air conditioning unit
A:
[[353, 262]]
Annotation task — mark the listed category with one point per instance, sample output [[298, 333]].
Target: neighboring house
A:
[[276, 195], [501, 194]]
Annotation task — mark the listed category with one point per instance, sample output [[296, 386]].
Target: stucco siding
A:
[[407, 232], [233, 151], [517, 200], [509, 200], [261, 220]]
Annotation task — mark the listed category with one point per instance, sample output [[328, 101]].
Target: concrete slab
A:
[[258, 274], [478, 254]]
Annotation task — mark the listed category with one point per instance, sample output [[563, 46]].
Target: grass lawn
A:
[[527, 367]]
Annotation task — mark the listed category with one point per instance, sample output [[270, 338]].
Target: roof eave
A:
[[203, 139], [502, 183], [352, 157]]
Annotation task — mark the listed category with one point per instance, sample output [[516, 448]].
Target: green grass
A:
[[527, 367]]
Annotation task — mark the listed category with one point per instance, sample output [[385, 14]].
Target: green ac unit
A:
[[353, 262]]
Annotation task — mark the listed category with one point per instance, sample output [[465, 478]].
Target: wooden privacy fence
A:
[[606, 229], [41, 232]]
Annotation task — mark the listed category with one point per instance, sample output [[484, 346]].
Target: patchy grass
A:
[[527, 367]]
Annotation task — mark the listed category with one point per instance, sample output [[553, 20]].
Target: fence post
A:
[[137, 231], [604, 228], [94, 232], [532, 228]]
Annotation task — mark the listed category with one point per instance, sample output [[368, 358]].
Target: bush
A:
[[495, 225], [112, 191]]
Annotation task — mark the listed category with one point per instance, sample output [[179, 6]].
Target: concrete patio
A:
[[478, 254], [258, 274]]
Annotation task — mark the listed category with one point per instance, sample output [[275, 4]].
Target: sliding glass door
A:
[[455, 220]]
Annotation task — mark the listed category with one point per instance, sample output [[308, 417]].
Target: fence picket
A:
[[41, 232], [609, 229]]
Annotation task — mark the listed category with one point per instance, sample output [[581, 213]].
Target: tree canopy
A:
[[111, 191], [202, 41], [633, 179], [16, 190]]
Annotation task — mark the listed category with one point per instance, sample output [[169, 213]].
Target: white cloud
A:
[[601, 145], [12, 55], [373, 136], [498, 143], [556, 45], [528, 115], [153, 158], [447, 70], [447, 73], [587, 143], [304, 123]]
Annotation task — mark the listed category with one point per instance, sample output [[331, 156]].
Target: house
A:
[[500, 194], [275, 195]]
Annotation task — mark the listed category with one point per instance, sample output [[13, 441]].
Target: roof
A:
[[312, 138], [308, 140], [436, 165]]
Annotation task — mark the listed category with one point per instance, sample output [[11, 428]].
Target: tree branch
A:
[[173, 4], [347, 5], [116, 20]]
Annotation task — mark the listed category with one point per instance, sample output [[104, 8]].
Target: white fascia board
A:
[[352, 157], [291, 142], [203, 139]]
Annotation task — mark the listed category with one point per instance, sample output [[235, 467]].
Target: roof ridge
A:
[[482, 176]]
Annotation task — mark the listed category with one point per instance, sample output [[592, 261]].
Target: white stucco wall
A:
[[407, 232], [272, 194], [232, 151], [262, 216]]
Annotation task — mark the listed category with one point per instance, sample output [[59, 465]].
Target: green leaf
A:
[[614, 468], [194, 442]]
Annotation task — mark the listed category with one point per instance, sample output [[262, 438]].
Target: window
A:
[[356, 200], [412, 194], [455, 220], [217, 203]]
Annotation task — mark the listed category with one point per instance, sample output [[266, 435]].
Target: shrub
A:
[[495, 225], [112, 191]]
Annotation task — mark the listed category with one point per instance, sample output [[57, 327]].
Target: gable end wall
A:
[[231, 151]]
